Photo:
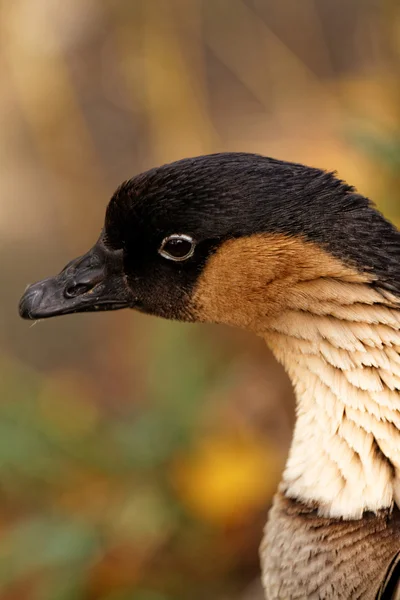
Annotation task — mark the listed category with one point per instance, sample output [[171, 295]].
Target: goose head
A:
[[220, 238]]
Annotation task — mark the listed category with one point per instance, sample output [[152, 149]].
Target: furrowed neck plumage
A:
[[341, 351]]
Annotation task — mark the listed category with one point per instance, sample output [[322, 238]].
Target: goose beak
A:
[[92, 282]]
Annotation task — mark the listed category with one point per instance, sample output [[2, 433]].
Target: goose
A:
[[298, 257]]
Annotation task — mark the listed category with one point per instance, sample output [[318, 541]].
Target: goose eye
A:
[[177, 247]]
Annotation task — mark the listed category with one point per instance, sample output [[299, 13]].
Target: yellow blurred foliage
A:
[[227, 478]]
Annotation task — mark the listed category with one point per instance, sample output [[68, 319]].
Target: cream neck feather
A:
[[340, 344]]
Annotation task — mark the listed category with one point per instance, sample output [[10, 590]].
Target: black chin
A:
[[91, 283]]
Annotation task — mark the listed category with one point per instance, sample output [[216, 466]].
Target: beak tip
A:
[[30, 301]]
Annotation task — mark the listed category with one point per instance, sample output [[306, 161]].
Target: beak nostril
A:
[[78, 289]]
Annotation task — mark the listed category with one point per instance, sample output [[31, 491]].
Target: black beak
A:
[[92, 282]]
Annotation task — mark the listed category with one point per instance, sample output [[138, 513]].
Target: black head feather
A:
[[227, 195]]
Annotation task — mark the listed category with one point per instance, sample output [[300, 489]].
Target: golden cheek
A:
[[251, 279]]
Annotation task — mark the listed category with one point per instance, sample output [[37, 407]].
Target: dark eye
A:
[[177, 247]]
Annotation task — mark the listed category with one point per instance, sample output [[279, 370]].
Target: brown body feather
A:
[[306, 556]]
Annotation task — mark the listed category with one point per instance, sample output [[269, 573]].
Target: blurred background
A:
[[138, 458]]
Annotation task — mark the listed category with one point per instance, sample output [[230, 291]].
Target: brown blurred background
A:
[[138, 458]]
